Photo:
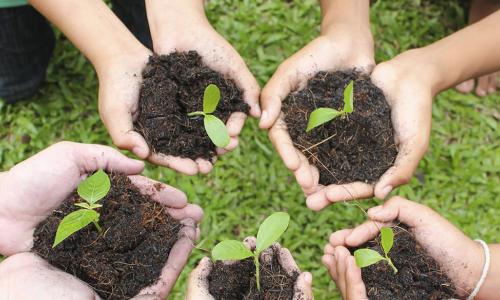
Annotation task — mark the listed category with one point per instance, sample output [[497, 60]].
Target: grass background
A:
[[459, 176]]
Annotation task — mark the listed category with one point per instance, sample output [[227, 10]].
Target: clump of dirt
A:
[[237, 281], [129, 255], [419, 275], [173, 86], [357, 147]]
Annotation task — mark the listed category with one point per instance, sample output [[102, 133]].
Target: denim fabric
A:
[[27, 42]]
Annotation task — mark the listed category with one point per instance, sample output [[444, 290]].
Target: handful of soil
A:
[[173, 86], [356, 147], [419, 276], [236, 281], [137, 236]]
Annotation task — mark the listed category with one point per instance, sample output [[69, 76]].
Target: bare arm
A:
[[92, 27]]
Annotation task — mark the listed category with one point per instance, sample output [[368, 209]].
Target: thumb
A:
[[89, 158], [276, 90], [303, 287], [198, 281], [355, 286], [410, 154], [406, 211]]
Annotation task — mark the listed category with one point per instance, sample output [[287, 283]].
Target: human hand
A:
[[333, 50], [182, 26], [44, 181], [451, 248], [409, 94], [198, 279]]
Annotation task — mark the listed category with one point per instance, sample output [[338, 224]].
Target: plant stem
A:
[[389, 261], [196, 113], [97, 226], [257, 270]]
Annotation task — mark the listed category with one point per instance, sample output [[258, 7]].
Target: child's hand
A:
[[182, 26], [338, 49], [442, 240]]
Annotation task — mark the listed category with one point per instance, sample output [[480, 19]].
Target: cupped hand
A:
[[459, 256], [34, 188], [188, 29], [339, 49], [408, 91], [198, 279]]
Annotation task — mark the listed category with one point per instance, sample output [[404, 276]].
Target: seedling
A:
[[323, 114], [269, 232], [91, 190], [214, 127], [367, 257]]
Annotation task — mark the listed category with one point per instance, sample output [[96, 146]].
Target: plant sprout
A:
[[367, 257], [215, 128], [323, 114], [269, 232], [91, 190]]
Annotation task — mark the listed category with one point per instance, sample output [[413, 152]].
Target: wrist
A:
[[172, 20]]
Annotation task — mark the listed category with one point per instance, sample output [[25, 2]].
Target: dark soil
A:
[[172, 87], [419, 276], [361, 147], [237, 281], [138, 236]]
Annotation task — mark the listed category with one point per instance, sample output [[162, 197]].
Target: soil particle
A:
[[356, 147], [130, 254], [236, 281], [419, 276], [173, 86]]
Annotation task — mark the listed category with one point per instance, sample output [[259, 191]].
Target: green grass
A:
[[458, 177]]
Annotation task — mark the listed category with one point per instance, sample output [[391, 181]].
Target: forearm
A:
[[349, 14], [167, 17], [489, 290], [92, 27], [468, 53]]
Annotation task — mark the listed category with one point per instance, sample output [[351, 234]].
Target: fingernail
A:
[[308, 278], [386, 191], [481, 92]]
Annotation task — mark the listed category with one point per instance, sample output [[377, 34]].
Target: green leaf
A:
[[95, 187], [367, 257], [349, 97], [271, 229], [211, 98], [387, 239], [230, 250], [74, 222], [320, 116], [216, 131]]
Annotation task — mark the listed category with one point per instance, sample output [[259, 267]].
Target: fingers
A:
[[341, 254], [90, 158], [410, 154], [338, 238], [198, 281], [303, 287], [235, 123], [286, 260], [190, 211], [355, 287], [246, 81], [117, 118], [281, 140], [405, 211], [483, 85], [466, 86], [160, 192], [274, 92], [184, 165], [204, 166], [250, 242], [338, 193], [364, 232]]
